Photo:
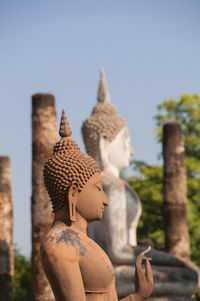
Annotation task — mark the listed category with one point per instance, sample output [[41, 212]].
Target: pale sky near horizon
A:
[[150, 51]]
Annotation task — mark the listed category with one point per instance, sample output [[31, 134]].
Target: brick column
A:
[[175, 192], [44, 136], [6, 231]]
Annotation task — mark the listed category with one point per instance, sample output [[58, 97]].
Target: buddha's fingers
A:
[[149, 274], [140, 258], [140, 273]]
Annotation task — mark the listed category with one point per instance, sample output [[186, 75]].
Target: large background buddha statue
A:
[[107, 140]]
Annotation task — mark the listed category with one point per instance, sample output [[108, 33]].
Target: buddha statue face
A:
[[106, 135], [91, 200], [117, 152]]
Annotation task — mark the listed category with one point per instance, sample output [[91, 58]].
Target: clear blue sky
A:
[[150, 51]]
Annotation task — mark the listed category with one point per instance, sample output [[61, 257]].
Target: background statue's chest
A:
[[96, 268]]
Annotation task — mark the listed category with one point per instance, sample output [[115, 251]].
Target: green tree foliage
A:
[[187, 111], [149, 182], [22, 278]]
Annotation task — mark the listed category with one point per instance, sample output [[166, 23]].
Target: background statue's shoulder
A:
[[110, 181]]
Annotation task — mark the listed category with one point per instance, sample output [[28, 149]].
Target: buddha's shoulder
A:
[[62, 240]]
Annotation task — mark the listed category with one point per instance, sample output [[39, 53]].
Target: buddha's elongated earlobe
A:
[[72, 199]]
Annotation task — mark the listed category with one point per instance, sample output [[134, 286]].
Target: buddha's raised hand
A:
[[143, 279]]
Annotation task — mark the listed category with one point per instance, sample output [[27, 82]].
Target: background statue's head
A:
[[68, 170], [105, 133]]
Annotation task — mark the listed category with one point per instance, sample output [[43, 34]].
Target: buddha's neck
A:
[[80, 223], [63, 216], [112, 169]]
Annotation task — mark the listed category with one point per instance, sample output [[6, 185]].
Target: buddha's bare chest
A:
[[96, 269]]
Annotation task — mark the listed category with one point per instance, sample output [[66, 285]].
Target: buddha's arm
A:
[[62, 270]]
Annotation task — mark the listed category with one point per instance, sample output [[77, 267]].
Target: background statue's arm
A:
[[62, 270], [120, 250]]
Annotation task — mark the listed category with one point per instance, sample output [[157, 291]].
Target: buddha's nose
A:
[[105, 200]]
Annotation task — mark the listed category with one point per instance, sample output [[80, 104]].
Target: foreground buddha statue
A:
[[107, 140], [76, 267]]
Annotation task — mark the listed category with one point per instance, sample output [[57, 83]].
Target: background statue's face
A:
[[117, 152], [92, 199]]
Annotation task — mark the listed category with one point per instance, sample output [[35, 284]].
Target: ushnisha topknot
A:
[[65, 130], [68, 165], [104, 120]]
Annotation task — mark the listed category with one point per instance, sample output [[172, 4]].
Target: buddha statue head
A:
[[68, 172], [106, 135]]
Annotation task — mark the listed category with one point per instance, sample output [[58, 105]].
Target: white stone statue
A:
[[107, 140]]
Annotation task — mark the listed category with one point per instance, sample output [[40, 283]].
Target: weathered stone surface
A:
[[6, 231], [175, 192], [44, 136]]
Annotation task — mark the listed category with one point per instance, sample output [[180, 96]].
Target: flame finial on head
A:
[[103, 93], [65, 130]]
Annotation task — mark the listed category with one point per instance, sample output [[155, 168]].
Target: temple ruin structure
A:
[[6, 231], [175, 192], [44, 136]]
